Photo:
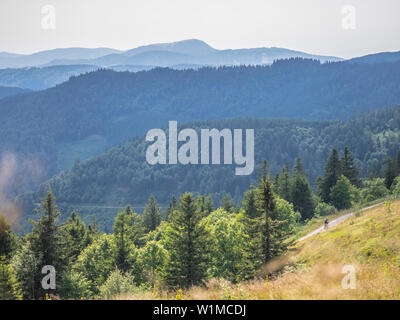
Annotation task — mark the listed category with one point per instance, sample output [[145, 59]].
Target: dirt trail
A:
[[336, 222]]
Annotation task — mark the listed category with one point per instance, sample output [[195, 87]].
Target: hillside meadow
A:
[[312, 269]]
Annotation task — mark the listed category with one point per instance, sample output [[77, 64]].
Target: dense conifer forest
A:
[[185, 245], [90, 113], [122, 175]]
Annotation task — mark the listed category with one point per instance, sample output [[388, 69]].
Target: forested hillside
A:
[[122, 175], [378, 57], [41, 78], [10, 91], [82, 117], [194, 247]]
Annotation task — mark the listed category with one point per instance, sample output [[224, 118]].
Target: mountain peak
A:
[[192, 47]]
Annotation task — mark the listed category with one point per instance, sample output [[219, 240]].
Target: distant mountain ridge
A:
[[10, 60], [190, 47], [191, 51], [377, 58], [181, 55]]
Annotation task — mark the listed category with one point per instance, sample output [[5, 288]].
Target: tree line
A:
[[185, 245]]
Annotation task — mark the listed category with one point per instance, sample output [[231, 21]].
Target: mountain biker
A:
[[326, 223]]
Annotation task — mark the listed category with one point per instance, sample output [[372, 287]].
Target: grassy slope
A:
[[316, 222], [313, 268]]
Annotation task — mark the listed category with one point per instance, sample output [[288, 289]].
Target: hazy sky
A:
[[314, 26]]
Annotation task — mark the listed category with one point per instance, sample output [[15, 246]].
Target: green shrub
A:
[[341, 193], [117, 284], [324, 209], [374, 189], [73, 285]]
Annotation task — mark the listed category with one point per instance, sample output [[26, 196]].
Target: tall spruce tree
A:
[[171, 207], [75, 231], [46, 242], [333, 171], [349, 169], [301, 194], [120, 233], [266, 204], [151, 215], [186, 240], [129, 233], [136, 228], [283, 188], [92, 232], [252, 224]]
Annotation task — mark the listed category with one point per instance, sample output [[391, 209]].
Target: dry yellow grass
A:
[[313, 268]]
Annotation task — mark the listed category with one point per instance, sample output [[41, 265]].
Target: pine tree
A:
[[252, 225], [283, 188], [151, 215], [136, 228], [46, 242], [250, 205], [171, 207], [301, 194], [298, 168], [128, 233], [266, 205], [186, 240], [273, 234], [120, 231], [92, 232], [46, 234], [349, 169], [276, 182], [332, 174], [75, 231]]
